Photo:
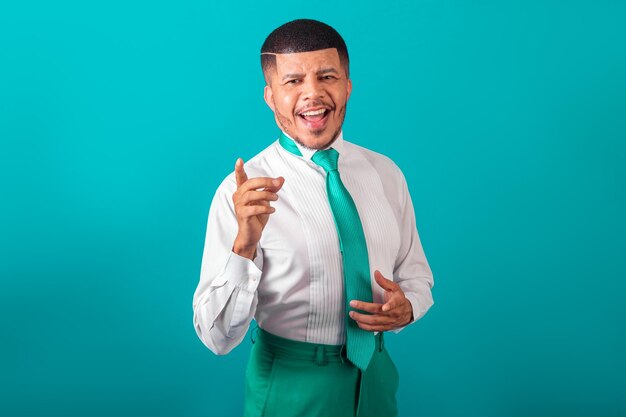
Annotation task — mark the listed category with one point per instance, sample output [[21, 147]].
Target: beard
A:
[[285, 125], [323, 146]]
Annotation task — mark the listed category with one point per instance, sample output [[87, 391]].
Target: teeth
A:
[[313, 113]]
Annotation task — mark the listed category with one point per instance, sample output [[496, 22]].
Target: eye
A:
[[293, 81], [328, 77]]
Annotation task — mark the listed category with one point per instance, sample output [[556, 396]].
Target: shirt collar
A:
[[308, 153]]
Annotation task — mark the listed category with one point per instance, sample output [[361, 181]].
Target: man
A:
[[315, 238]]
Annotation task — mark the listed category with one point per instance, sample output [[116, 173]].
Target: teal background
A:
[[119, 119]]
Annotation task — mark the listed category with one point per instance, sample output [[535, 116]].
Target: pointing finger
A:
[[240, 173]]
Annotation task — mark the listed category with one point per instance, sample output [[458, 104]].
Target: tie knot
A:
[[327, 159]]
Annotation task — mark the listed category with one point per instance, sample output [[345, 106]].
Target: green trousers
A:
[[287, 378]]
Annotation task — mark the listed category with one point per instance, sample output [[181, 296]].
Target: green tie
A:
[[360, 343]]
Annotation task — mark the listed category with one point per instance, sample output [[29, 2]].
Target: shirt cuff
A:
[[243, 272]]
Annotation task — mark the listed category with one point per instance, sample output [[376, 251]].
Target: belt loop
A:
[[381, 343], [254, 333], [341, 352], [320, 356]]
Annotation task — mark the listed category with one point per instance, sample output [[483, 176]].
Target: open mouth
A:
[[315, 118]]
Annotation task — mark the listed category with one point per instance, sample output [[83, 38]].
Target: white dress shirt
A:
[[294, 287]]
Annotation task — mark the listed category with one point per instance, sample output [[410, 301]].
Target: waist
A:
[[306, 351]]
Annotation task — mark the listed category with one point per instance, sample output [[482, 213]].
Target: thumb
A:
[[384, 282], [280, 181]]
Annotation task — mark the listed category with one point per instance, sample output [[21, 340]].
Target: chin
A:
[[317, 140], [315, 143]]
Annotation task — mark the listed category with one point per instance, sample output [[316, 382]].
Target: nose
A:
[[312, 89]]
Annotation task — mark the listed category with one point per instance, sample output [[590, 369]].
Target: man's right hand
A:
[[252, 208]]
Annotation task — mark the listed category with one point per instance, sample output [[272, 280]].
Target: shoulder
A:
[[385, 166], [391, 178]]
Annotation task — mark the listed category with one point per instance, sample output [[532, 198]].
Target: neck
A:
[[307, 153]]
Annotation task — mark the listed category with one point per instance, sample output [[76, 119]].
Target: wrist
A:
[[246, 251], [411, 318]]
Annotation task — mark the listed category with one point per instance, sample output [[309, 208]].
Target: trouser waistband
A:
[[305, 351]]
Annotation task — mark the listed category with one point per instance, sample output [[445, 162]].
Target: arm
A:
[[411, 270], [225, 300], [407, 296]]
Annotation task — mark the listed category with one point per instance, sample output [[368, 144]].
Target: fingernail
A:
[[352, 303], [276, 182], [352, 314]]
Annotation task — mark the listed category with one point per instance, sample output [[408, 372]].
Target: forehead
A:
[[307, 61]]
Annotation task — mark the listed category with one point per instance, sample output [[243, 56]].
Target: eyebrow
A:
[[320, 72]]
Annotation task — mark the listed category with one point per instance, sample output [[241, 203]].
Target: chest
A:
[[301, 236]]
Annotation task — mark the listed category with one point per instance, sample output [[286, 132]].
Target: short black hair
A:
[[302, 35]]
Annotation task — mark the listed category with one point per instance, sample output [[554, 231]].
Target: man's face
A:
[[308, 92]]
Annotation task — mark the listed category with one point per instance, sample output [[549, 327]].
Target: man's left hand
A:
[[396, 312]]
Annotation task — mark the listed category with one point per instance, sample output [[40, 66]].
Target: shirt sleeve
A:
[[225, 300], [411, 270]]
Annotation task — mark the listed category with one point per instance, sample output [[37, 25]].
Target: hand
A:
[[252, 208], [396, 312]]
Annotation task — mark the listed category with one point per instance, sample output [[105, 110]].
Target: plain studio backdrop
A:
[[119, 119]]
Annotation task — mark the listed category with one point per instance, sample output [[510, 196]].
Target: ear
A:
[[268, 95], [349, 88]]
